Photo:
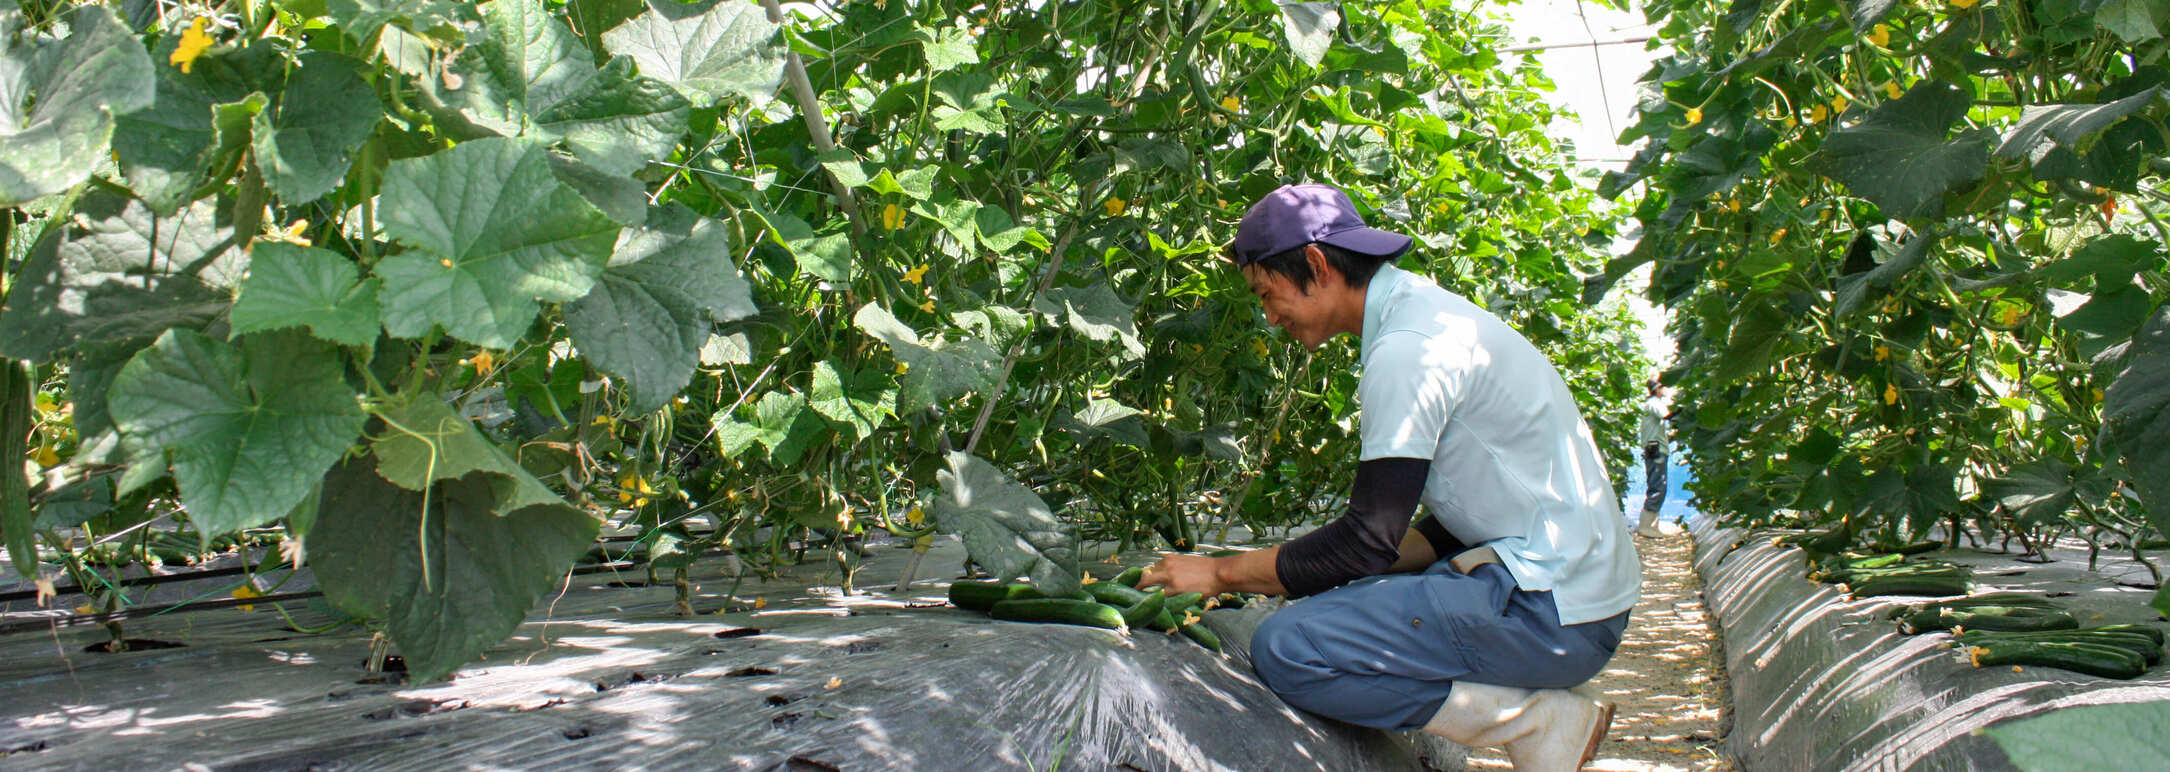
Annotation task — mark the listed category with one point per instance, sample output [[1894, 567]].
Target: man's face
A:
[[1302, 313]]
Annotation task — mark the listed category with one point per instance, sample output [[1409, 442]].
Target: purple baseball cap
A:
[[1294, 215]]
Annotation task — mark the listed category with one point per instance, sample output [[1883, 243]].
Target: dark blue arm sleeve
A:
[[1366, 539]]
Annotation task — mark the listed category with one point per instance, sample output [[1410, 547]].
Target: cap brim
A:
[[1371, 241]]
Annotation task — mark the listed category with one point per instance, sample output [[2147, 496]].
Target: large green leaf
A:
[[2117, 736], [305, 142], [58, 99], [647, 318], [1006, 529], [493, 231], [1898, 157], [2136, 412], [296, 286], [531, 76], [2038, 491], [167, 151], [250, 429], [1095, 312], [425, 442], [826, 257], [782, 424], [449, 581], [2043, 128], [115, 271], [1109, 418], [2135, 21], [2111, 258], [932, 373], [855, 399], [708, 51], [1310, 28]]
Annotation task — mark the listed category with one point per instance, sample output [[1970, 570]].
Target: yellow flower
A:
[[1891, 394], [1115, 206], [916, 516], [292, 233], [2010, 315], [1778, 234], [927, 306], [892, 216], [1816, 114], [1883, 352], [901, 367], [1695, 115], [1892, 90], [2098, 396], [46, 456], [1260, 347], [1232, 104], [760, 603], [483, 362], [916, 275], [1963, 4], [194, 41], [1881, 36], [833, 683], [1839, 105], [1732, 205], [245, 592]]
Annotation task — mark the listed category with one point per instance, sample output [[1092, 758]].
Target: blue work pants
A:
[[1383, 652]]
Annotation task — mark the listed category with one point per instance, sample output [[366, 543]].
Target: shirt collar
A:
[[1379, 297]]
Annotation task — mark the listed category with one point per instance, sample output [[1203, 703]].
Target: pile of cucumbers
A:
[[2012, 628], [1892, 573], [1116, 604]]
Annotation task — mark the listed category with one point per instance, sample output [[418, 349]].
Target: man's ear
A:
[[1320, 266]]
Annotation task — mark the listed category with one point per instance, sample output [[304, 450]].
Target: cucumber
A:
[[981, 596], [1224, 553], [2007, 618], [2092, 659], [2152, 632], [1933, 584], [1062, 611], [1113, 594], [1177, 604], [1197, 632], [1130, 576], [1146, 610], [2138, 643]]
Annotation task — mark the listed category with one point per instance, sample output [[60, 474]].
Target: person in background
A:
[[1412, 628], [1654, 460]]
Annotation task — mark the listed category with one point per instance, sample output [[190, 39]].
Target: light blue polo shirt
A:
[[1513, 464]]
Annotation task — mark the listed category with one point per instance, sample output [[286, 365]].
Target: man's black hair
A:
[[1356, 268]]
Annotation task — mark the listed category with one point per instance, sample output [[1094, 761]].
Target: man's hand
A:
[[1180, 573], [1251, 571]]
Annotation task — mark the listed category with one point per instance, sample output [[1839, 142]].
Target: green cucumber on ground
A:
[[1113, 594], [1129, 577], [1197, 631], [2007, 618], [2152, 632], [1062, 611], [2092, 659], [1146, 610], [981, 596], [2138, 643], [1178, 603], [1224, 553], [1932, 584]]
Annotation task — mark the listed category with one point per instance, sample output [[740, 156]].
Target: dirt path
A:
[[1668, 677]]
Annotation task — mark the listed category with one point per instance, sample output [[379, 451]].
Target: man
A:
[[1462, 414], [1654, 458]]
